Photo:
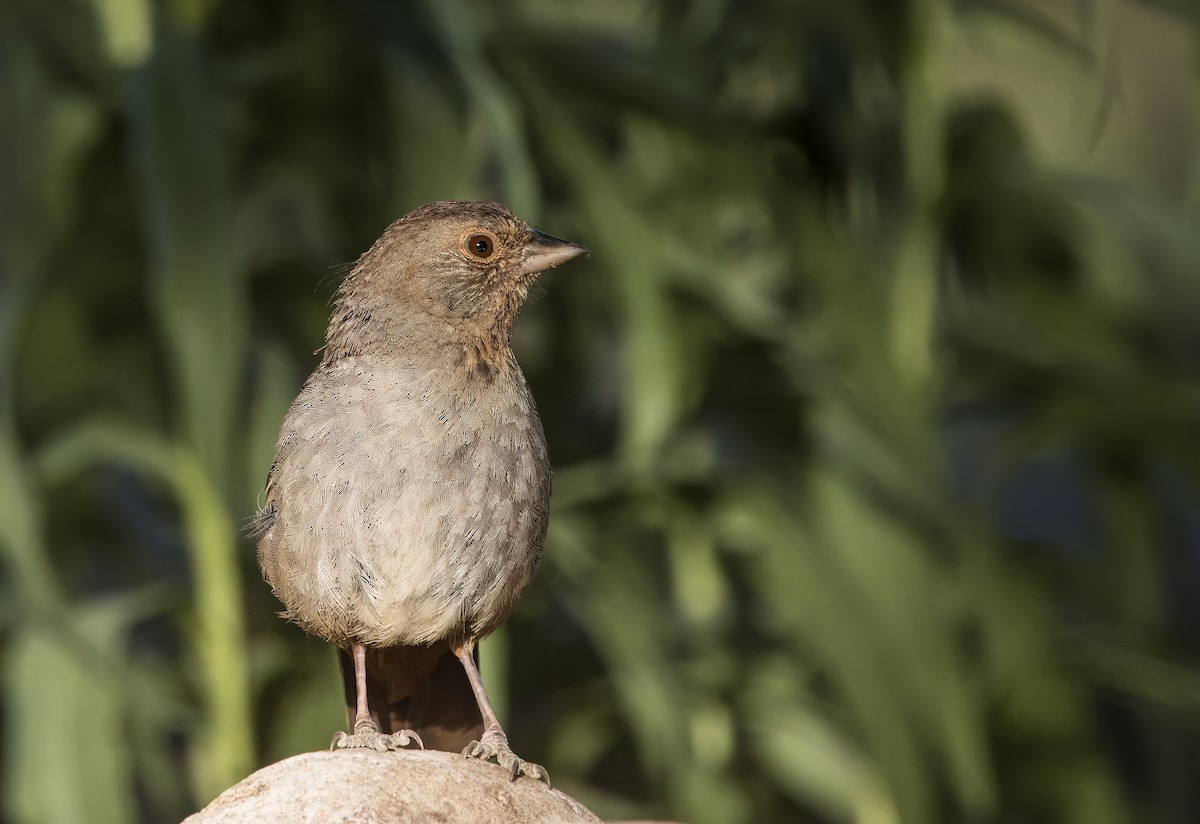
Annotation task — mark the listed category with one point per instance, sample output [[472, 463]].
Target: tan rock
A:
[[368, 787]]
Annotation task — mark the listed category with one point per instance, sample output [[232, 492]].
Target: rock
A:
[[368, 787]]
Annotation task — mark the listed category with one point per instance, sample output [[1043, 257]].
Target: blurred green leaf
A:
[[71, 765]]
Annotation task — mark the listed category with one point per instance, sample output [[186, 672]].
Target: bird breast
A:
[[406, 508]]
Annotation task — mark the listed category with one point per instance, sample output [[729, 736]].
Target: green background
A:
[[874, 410]]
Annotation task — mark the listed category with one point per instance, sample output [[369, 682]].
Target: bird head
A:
[[465, 265]]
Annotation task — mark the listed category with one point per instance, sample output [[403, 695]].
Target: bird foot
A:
[[493, 746], [368, 737]]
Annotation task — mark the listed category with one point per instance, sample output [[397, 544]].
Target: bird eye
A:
[[481, 246]]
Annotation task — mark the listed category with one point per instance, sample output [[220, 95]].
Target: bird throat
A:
[[361, 326], [487, 357], [485, 339]]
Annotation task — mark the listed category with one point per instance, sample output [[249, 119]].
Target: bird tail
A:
[[420, 688]]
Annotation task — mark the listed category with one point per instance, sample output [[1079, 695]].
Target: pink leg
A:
[[366, 733], [493, 744]]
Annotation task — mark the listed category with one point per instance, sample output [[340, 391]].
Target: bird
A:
[[406, 508]]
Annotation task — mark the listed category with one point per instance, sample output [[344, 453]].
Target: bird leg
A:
[[366, 733], [493, 744]]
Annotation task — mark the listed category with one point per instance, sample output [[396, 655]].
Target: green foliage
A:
[[870, 284]]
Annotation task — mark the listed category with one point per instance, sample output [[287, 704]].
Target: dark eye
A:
[[481, 246]]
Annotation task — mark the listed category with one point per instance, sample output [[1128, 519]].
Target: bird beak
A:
[[544, 252]]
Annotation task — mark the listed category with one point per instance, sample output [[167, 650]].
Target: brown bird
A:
[[407, 505]]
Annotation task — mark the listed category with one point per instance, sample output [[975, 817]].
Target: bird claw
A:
[[493, 746], [370, 738]]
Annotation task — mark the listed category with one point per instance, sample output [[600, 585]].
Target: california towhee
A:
[[407, 506]]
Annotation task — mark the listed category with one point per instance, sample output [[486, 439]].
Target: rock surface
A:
[[369, 787]]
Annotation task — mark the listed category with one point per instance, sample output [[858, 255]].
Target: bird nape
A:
[[407, 505]]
